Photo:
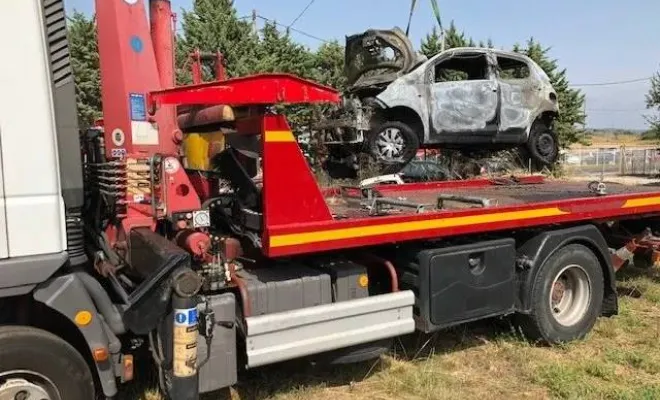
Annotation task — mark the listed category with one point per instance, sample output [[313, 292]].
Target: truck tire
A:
[[393, 144], [566, 297], [37, 365]]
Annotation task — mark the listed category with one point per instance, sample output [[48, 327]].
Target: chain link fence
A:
[[620, 161]]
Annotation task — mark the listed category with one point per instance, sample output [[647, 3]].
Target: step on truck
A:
[[185, 228]]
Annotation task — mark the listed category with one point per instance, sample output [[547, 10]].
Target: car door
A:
[[464, 95], [519, 93]]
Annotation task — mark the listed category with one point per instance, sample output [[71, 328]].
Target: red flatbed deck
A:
[[525, 202], [502, 193], [300, 218]]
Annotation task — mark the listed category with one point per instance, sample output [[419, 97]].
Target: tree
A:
[[431, 44], [455, 38], [653, 103], [277, 52], [328, 65], [84, 54], [213, 25], [570, 123]]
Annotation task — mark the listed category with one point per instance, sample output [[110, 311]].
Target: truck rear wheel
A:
[[566, 297], [37, 365]]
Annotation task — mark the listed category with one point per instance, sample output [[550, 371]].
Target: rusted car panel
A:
[[523, 100], [463, 106], [471, 105]]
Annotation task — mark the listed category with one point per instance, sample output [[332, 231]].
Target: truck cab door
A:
[[464, 97]]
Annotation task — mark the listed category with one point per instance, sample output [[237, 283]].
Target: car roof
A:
[[484, 50]]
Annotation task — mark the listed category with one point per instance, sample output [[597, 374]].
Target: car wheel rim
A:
[[390, 144], [545, 145], [570, 295], [27, 385]]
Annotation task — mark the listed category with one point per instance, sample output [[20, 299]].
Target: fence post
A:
[[623, 160]]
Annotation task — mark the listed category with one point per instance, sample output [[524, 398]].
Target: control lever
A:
[[206, 326]]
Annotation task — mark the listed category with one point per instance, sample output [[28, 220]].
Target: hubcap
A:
[[570, 295], [390, 144], [26, 385]]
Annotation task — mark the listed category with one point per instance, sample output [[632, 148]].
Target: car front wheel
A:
[[393, 145]]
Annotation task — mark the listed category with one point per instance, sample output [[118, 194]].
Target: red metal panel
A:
[[128, 74], [290, 192], [160, 16], [575, 210], [179, 191], [249, 90]]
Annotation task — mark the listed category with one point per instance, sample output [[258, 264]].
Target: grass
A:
[[487, 360]]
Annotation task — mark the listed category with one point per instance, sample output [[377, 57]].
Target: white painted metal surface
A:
[[33, 211], [287, 335]]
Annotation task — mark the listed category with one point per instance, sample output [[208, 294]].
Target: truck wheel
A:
[[37, 365], [566, 297], [393, 144], [543, 145]]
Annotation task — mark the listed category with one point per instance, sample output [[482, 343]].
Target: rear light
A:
[[100, 354]]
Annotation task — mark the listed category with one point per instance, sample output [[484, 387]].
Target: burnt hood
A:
[[378, 57]]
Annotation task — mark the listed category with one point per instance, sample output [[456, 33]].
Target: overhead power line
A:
[[302, 13], [309, 35], [612, 83]]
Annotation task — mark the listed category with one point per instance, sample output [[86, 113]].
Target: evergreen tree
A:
[[455, 38], [213, 25], [328, 65], [570, 123], [84, 54], [431, 44], [277, 52], [653, 103]]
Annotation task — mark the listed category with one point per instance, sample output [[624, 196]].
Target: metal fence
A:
[[612, 161]]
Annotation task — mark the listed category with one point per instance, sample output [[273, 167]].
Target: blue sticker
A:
[[136, 44], [138, 107], [180, 318], [187, 317]]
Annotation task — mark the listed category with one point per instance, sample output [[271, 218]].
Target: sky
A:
[[597, 41]]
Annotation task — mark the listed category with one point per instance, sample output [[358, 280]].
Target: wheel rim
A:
[[27, 385], [570, 295], [545, 145], [390, 144]]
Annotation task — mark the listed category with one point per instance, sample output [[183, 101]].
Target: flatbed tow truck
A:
[[142, 236]]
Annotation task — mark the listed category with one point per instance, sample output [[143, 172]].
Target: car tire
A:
[[37, 362], [391, 133], [555, 319], [543, 145]]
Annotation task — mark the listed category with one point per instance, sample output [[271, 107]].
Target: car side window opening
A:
[[464, 67], [511, 68]]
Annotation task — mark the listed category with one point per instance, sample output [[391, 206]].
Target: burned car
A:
[[399, 101]]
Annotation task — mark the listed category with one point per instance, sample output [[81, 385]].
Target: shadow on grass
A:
[[633, 273], [292, 376], [295, 376]]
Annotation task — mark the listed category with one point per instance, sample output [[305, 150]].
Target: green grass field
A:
[[487, 360]]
